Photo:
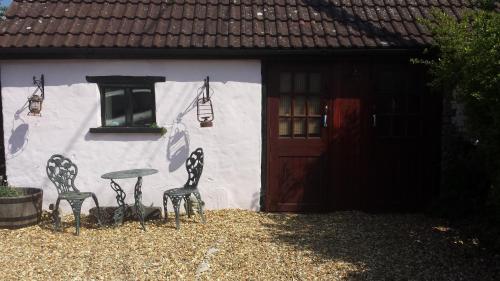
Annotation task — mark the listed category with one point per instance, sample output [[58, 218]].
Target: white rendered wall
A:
[[232, 173]]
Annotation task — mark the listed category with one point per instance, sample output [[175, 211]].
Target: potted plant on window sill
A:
[[20, 206], [162, 129]]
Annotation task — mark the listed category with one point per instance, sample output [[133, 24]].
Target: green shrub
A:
[[7, 191], [467, 64], [465, 182]]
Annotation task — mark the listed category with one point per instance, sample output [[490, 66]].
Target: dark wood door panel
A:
[[402, 140], [349, 90], [301, 183], [398, 177], [300, 150]]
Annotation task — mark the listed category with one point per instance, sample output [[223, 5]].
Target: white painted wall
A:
[[232, 173]]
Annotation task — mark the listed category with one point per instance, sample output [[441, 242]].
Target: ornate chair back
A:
[[194, 167], [62, 173]]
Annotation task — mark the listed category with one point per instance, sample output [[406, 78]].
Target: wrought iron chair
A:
[[194, 167], [62, 173]]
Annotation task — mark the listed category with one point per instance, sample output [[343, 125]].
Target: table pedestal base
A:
[[120, 199]]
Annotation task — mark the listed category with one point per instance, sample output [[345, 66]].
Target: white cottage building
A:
[[315, 104]]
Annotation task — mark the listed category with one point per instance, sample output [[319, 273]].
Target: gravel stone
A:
[[250, 246]]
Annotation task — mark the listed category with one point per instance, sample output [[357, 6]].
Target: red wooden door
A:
[[297, 102], [403, 139], [350, 135], [350, 87]]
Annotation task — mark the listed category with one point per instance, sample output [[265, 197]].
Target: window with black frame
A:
[[127, 101]]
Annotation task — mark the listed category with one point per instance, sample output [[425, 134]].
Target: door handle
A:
[[325, 117], [374, 120]]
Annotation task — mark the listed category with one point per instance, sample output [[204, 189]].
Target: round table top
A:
[[126, 174]]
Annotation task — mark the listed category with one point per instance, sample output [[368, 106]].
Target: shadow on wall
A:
[[178, 141], [178, 146], [255, 203], [121, 137], [19, 74], [18, 139]]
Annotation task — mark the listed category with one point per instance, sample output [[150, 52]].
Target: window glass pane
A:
[[299, 106], [315, 83], [299, 127], [285, 82], [114, 107], [142, 107], [300, 82], [314, 106], [314, 127], [284, 127], [285, 107]]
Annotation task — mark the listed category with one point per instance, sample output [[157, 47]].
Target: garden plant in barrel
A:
[[20, 206]]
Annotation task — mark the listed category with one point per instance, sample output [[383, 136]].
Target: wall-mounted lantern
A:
[[35, 101], [205, 109]]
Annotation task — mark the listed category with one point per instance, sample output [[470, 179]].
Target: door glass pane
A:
[[314, 127], [314, 106], [300, 82], [398, 104], [315, 83], [413, 104], [114, 107], [284, 127], [285, 107], [398, 126], [143, 107], [299, 127], [285, 82], [384, 104], [413, 127], [384, 125], [387, 81], [299, 106]]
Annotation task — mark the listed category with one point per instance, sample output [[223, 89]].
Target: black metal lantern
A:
[[205, 109], [35, 101], [35, 105]]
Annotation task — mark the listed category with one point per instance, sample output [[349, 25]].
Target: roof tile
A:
[[196, 41], [247, 41], [221, 23]]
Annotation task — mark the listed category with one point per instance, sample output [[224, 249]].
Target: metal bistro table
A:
[[120, 194]]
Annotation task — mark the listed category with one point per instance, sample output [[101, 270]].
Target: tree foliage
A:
[[3, 9], [468, 66]]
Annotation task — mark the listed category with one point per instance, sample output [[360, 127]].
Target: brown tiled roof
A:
[[229, 24]]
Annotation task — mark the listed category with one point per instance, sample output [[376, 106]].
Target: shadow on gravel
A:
[[386, 247]]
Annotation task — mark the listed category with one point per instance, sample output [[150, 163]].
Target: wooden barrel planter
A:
[[23, 210]]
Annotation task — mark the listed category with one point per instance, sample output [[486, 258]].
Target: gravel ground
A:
[[237, 245]]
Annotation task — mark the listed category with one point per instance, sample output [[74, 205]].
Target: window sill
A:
[[127, 130]]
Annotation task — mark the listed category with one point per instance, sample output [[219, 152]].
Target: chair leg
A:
[[200, 206], [176, 201], [56, 215], [76, 206], [99, 222], [188, 206], [165, 202]]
